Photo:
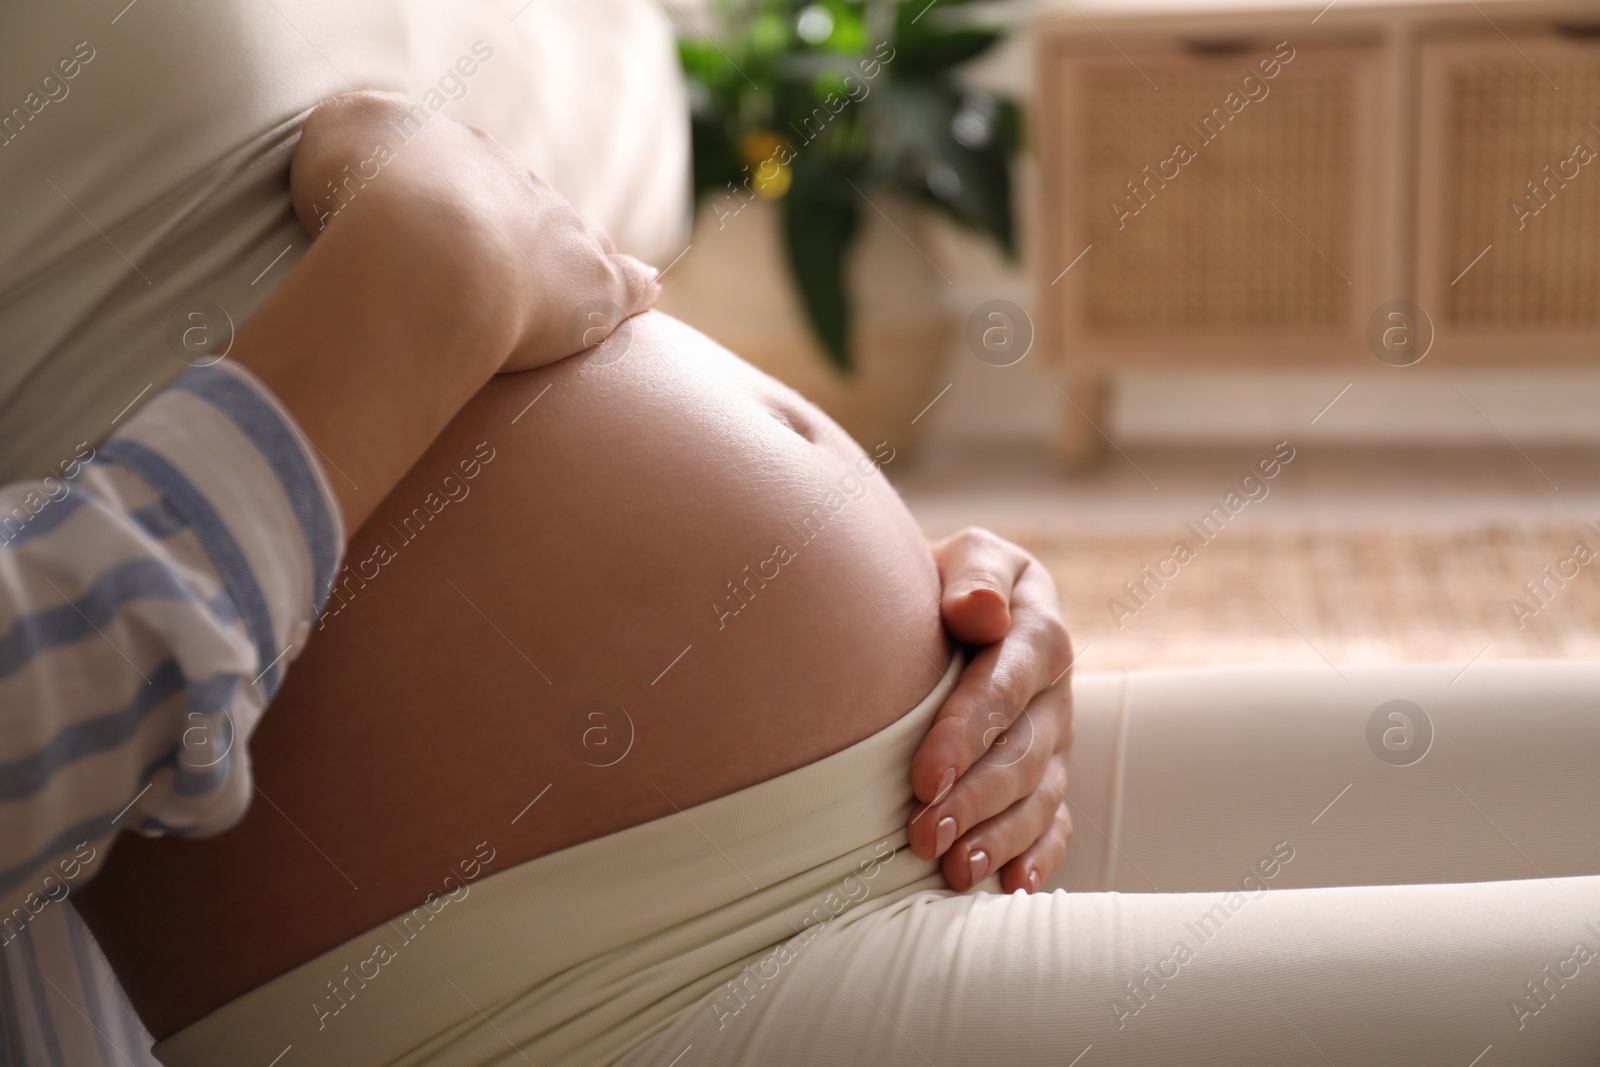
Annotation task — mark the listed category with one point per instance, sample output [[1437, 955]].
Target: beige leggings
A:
[[1270, 866]]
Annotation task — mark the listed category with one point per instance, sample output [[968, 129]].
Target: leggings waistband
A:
[[581, 954]]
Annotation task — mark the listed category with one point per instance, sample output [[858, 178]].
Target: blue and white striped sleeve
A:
[[151, 598]]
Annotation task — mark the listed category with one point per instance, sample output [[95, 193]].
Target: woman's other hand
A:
[[556, 282], [992, 772]]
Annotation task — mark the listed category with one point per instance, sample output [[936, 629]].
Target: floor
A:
[[1348, 554], [1324, 484]]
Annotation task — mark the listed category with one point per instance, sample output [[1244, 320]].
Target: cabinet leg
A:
[[1084, 416]]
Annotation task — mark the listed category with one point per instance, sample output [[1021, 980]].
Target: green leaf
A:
[[918, 152], [702, 62], [769, 35], [849, 35], [820, 219], [715, 162], [923, 52]]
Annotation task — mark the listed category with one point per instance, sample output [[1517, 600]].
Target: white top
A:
[[144, 152]]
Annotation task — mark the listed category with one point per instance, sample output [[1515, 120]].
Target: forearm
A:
[[376, 340]]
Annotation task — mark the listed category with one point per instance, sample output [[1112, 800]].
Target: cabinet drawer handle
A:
[[1219, 46]]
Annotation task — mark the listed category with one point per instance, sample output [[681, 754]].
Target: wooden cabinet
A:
[[1509, 154], [1304, 188]]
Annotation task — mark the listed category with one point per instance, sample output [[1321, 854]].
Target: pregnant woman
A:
[[659, 500], [603, 756], [624, 738]]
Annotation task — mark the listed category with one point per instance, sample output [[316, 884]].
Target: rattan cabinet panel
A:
[[1510, 241], [1256, 187], [1249, 232]]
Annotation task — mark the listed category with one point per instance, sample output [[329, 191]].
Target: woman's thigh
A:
[[1262, 825], [1192, 780], [1375, 975]]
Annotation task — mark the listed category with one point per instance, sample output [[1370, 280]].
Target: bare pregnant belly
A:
[[614, 588]]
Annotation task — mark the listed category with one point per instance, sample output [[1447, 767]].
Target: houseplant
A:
[[825, 111]]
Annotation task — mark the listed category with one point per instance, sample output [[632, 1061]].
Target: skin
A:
[[574, 565], [1011, 809], [458, 264]]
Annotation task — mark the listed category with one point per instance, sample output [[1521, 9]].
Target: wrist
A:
[[378, 337]]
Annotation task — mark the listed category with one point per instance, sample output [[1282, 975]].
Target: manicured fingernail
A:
[[945, 836], [978, 864], [946, 780], [1033, 880]]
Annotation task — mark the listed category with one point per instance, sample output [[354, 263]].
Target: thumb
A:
[[638, 285], [975, 610], [979, 572]]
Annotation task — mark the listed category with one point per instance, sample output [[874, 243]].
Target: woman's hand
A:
[[992, 771], [557, 281]]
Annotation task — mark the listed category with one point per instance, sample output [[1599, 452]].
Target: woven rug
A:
[[1364, 595]]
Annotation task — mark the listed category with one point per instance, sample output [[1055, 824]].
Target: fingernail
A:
[[978, 864], [1033, 880], [945, 836], [946, 780]]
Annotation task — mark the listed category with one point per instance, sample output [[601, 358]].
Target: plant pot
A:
[[734, 285]]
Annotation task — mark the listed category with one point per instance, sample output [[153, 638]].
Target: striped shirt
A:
[[153, 590]]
